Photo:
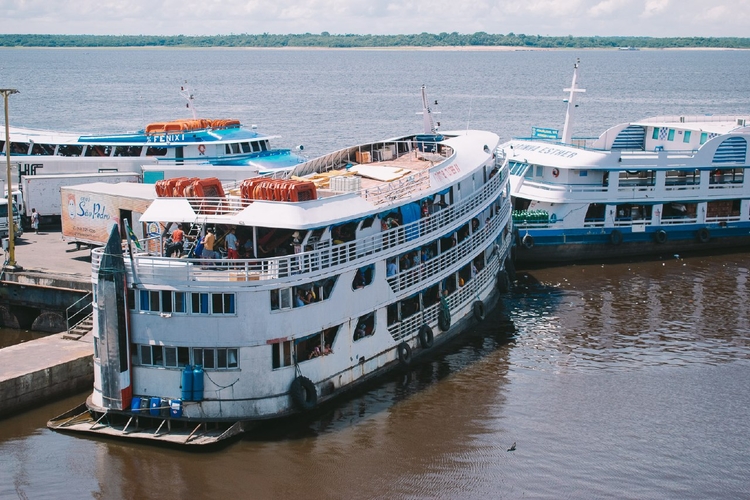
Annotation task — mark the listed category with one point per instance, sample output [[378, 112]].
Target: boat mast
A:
[[429, 125], [567, 132], [185, 92]]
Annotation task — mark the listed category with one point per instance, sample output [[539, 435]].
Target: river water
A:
[[626, 380]]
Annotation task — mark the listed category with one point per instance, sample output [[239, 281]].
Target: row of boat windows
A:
[[665, 133], [179, 357], [167, 301], [320, 343], [35, 149], [674, 210]]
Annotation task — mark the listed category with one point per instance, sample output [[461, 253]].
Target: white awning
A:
[[169, 210]]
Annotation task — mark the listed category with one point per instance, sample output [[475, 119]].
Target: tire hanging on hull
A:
[[303, 393], [426, 337], [404, 354], [703, 235]]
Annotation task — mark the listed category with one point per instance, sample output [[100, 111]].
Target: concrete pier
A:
[[36, 372], [55, 275]]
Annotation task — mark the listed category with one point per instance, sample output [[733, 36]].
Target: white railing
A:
[[409, 327], [151, 266]]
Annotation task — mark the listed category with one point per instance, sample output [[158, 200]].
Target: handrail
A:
[[320, 261], [80, 312]]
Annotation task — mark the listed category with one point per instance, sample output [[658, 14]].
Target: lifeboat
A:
[[155, 128], [278, 190], [208, 188], [161, 189], [180, 184], [303, 191], [224, 123], [247, 187]]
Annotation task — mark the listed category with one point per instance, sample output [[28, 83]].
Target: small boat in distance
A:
[[200, 147], [354, 264], [662, 185]]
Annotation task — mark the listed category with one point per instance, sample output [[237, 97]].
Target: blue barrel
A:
[[198, 383], [175, 408], [135, 404], [187, 383], [154, 406]]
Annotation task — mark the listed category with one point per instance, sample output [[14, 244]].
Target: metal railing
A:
[[78, 312], [151, 266]]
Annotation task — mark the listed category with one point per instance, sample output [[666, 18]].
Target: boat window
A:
[[235, 148], [156, 151], [180, 305], [365, 326], [363, 277], [315, 345], [539, 171], [131, 299], [686, 136], [227, 149], [98, 150], [409, 306], [43, 149], [704, 137], [431, 296], [281, 354], [69, 150], [170, 357], [19, 148], [256, 146], [670, 135], [655, 135], [281, 299], [246, 148], [264, 145], [2, 145], [128, 150]]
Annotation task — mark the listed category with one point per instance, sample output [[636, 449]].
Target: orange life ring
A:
[[555, 172], [201, 149]]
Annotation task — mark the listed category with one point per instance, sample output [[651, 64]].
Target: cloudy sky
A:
[[657, 18]]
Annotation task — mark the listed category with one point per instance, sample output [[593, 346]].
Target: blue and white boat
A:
[[661, 185], [355, 264], [193, 147]]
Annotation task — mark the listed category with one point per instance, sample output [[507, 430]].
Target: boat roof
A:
[[719, 124], [218, 136], [427, 176], [126, 189]]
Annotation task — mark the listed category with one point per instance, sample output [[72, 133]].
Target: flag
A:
[[131, 235]]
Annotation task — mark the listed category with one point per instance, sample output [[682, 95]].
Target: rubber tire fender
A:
[[660, 236], [528, 241], [303, 393], [426, 337], [615, 237], [404, 354], [703, 235], [478, 308]]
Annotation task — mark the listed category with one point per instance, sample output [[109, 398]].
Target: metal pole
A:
[[11, 219]]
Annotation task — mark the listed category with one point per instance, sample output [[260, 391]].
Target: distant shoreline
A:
[[475, 48]]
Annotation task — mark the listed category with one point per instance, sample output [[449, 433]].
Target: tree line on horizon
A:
[[326, 40]]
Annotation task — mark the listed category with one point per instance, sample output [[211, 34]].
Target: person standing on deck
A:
[[230, 242], [208, 244]]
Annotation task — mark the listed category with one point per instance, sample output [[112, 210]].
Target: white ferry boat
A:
[[662, 185], [185, 147], [356, 263]]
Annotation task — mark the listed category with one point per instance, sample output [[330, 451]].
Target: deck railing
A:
[[151, 266]]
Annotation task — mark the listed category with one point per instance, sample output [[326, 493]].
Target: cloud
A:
[[379, 17], [654, 7]]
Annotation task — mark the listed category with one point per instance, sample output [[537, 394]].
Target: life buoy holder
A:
[[404, 353], [615, 237], [704, 235], [303, 393], [528, 241], [660, 236], [478, 308], [426, 337], [201, 149], [555, 172]]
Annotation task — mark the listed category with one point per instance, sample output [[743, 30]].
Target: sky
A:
[[655, 18]]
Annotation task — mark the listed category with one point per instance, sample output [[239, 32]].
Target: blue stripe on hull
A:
[[551, 246]]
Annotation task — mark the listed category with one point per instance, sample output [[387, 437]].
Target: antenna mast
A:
[[567, 129]]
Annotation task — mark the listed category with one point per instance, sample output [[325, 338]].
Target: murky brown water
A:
[[616, 380]]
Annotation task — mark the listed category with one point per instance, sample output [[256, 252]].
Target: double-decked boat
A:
[[655, 186], [194, 147], [354, 264]]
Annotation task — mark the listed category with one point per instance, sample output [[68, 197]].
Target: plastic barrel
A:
[[175, 408], [135, 404], [198, 383], [187, 383], [154, 405]]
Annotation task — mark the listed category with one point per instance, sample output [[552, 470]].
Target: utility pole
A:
[[12, 266]]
